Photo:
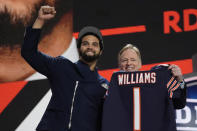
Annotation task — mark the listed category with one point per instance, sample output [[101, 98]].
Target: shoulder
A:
[[160, 67], [63, 62], [104, 82], [102, 79], [62, 59]]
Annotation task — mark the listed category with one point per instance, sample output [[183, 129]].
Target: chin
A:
[[130, 70]]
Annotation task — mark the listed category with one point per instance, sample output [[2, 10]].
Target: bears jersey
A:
[[140, 101]]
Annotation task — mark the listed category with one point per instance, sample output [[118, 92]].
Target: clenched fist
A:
[[46, 12]]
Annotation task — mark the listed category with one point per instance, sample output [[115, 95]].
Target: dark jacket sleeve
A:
[[179, 98], [29, 51]]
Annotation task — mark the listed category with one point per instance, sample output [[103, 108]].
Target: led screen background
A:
[[164, 31]]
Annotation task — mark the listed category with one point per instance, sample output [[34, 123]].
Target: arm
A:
[[29, 52], [179, 97]]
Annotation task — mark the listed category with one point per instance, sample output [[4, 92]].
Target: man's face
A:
[[90, 48], [129, 61], [15, 15]]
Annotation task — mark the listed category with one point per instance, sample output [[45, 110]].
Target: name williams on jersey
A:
[[137, 78]]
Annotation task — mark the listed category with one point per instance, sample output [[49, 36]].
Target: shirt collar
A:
[[84, 69]]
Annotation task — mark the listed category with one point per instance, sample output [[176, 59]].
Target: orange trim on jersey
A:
[[171, 94], [170, 82], [173, 84], [172, 90], [176, 87]]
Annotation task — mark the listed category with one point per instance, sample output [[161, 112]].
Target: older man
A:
[[143, 100]]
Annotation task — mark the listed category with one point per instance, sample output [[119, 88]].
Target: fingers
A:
[[172, 66], [46, 13], [176, 71], [48, 10]]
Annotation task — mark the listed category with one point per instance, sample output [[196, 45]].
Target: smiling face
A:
[[15, 15], [129, 61], [90, 48]]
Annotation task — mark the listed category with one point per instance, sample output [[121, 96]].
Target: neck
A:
[[92, 65]]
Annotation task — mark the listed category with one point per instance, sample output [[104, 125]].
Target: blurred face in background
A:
[[15, 15]]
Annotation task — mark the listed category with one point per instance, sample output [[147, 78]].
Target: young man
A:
[[77, 88], [143, 100]]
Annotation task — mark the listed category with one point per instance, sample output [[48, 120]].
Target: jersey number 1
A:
[[136, 109]]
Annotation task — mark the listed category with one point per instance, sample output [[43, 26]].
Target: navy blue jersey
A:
[[140, 101]]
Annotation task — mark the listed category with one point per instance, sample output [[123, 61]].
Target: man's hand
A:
[[45, 13], [176, 71]]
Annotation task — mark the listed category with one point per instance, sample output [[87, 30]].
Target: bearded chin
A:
[[89, 58]]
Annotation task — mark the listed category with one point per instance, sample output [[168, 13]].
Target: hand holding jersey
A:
[[175, 79], [176, 71]]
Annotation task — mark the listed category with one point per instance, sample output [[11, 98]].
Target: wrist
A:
[[180, 79], [38, 23], [182, 84]]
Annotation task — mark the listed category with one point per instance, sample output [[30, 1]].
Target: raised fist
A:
[[46, 12]]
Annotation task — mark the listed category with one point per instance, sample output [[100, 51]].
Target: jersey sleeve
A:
[[175, 92], [179, 97]]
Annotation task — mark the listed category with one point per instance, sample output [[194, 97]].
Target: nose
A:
[[90, 46], [129, 62]]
